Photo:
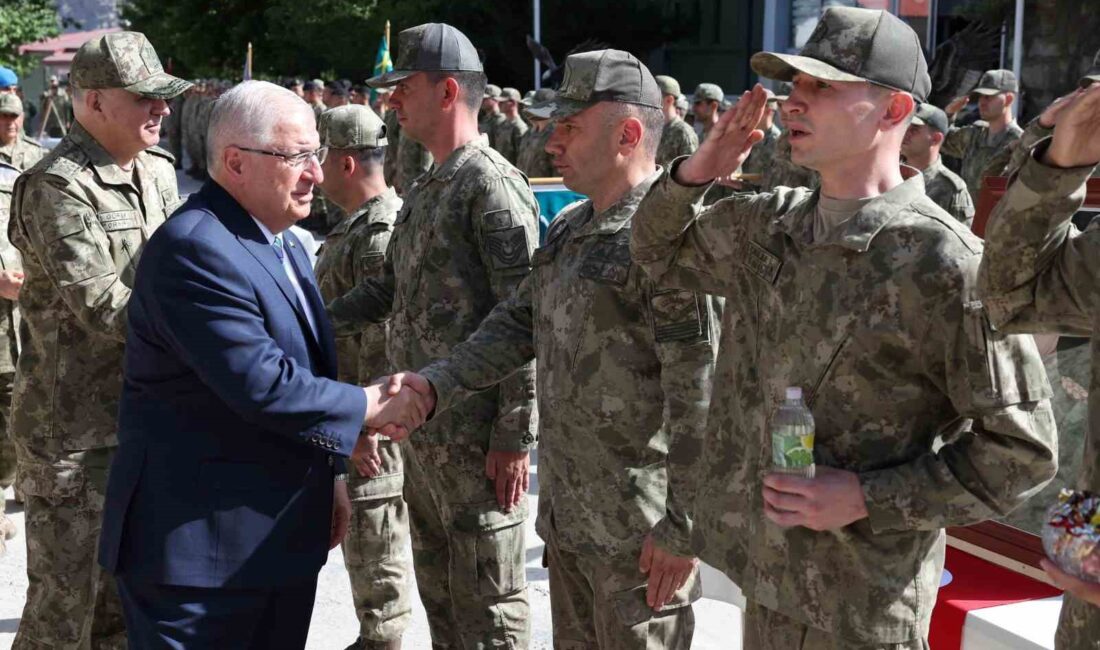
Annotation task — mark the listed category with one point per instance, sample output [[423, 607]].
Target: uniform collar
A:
[[369, 212], [613, 219], [105, 166], [932, 170], [858, 232], [454, 162]]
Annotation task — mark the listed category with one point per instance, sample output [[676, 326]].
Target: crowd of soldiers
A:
[[729, 254]]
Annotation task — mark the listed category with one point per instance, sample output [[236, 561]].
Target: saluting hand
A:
[[1076, 141], [957, 105], [729, 142]]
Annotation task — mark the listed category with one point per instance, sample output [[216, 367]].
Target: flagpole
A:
[[248, 62], [536, 9]]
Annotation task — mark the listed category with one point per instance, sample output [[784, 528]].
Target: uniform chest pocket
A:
[[608, 262], [123, 229]]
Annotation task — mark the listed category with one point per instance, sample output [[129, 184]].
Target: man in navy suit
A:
[[224, 496]]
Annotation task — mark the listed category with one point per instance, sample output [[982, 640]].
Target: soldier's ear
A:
[[898, 109], [937, 137]]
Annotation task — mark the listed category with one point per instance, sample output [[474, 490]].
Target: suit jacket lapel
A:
[[326, 338]]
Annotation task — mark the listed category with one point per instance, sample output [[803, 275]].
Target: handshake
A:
[[396, 406]]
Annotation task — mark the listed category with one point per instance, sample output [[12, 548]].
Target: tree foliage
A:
[[340, 37], [24, 21]]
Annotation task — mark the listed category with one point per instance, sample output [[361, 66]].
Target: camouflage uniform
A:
[[1039, 275], [413, 159], [506, 137], [623, 386], [80, 222], [173, 129], [533, 159], [20, 155], [354, 251], [948, 191], [879, 324], [760, 158], [677, 139], [783, 172], [461, 244], [980, 156], [1021, 150], [393, 144], [488, 125]]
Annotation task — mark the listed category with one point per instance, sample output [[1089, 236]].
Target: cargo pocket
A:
[[494, 546], [632, 609], [55, 483]]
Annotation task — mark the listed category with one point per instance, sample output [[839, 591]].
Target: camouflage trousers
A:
[[598, 603], [374, 550], [71, 601], [468, 554], [769, 630], [1079, 626], [7, 449]]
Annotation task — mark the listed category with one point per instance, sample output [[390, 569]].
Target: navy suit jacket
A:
[[230, 418]]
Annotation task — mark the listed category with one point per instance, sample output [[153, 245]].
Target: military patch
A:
[[678, 315], [608, 261], [497, 220], [508, 248], [762, 263]]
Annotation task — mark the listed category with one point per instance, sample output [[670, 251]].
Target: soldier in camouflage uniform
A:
[[921, 150], [624, 375], [17, 153], [490, 116], [706, 104], [760, 158], [677, 138], [1039, 275], [1043, 126], [505, 138], [534, 160], [314, 89], [80, 218], [984, 148], [461, 244], [870, 306], [354, 252]]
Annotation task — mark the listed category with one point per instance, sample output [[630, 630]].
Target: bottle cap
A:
[[794, 392]]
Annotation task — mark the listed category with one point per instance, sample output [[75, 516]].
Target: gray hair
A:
[[246, 115]]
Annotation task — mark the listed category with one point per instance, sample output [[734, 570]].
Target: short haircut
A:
[[246, 115], [368, 157], [652, 119], [471, 86]]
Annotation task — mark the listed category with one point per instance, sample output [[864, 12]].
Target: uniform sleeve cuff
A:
[[444, 384]]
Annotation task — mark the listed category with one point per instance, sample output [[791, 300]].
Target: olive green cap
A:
[[851, 44], [124, 60], [10, 104], [600, 76], [354, 126], [509, 95], [492, 91], [668, 85], [932, 116], [708, 92], [431, 47], [995, 82]]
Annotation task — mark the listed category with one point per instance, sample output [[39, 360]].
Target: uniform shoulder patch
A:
[[508, 248], [679, 315]]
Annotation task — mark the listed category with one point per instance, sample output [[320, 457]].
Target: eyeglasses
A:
[[296, 160]]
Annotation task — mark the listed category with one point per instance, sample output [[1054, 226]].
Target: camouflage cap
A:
[[600, 76], [492, 91], [509, 95], [931, 116], [354, 126], [124, 60], [995, 82], [682, 103], [10, 104], [708, 92], [668, 85], [541, 95], [431, 47], [852, 44]]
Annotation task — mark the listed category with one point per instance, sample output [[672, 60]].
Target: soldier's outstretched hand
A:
[[729, 142], [1076, 141]]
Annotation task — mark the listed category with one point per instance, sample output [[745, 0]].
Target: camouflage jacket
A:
[[23, 153], [948, 191], [393, 146], [413, 159], [488, 122], [20, 155], [353, 252], [1033, 134], [979, 156], [880, 326], [507, 136], [461, 243], [80, 222], [677, 139], [760, 158], [624, 376], [533, 159], [783, 172], [1039, 275]]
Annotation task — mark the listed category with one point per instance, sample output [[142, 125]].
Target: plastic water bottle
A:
[[793, 437]]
